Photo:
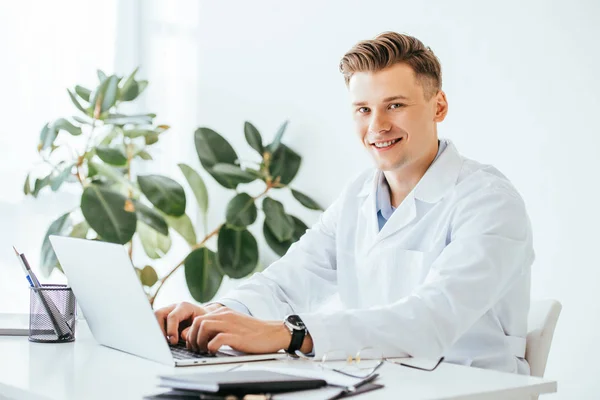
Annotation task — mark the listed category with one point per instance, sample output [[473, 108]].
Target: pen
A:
[[33, 281], [62, 329], [349, 390]]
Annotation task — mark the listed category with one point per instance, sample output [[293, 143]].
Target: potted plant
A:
[[98, 149]]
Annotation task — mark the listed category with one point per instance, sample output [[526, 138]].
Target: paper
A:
[[307, 370], [14, 324]]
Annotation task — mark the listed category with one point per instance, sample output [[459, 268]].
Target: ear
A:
[[441, 106]]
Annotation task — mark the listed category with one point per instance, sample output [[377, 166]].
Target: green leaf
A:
[[105, 211], [48, 260], [57, 181], [110, 94], [237, 251], [144, 155], [76, 102], [110, 136], [27, 186], [151, 217], [148, 276], [306, 201], [111, 156], [202, 275], [81, 120], [280, 248], [253, 138], [241, 211], [281, 224], [285, 164], [166, 194], [274, 146], [134, 133], [142, 86], [120, 119], [197, 185], [40, 184], [65, 125], [212, 149], [80, 230], [97, 97], [155, 244], [91, 170], [129, 90], [113, 174], [151, 138], [101, 75], [183, 225], [47, 137], [233, 173], [83, 92]]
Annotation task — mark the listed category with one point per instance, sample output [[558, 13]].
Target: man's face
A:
[[394, 121]]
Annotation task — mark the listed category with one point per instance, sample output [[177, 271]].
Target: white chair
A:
[[543, 315]]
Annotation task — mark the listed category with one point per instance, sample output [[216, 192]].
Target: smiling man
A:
[[429, 252]]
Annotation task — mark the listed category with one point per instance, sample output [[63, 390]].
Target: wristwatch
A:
[[297, 330]]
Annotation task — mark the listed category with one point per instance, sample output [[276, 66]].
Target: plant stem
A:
[[82, 157], [162, 281]]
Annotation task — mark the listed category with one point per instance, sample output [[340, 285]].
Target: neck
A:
[[403, 180]]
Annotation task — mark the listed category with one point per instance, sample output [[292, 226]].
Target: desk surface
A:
[[84, 369]]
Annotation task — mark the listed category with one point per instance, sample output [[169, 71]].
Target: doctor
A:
[[430, 253]]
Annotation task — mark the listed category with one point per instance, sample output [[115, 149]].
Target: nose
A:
[[379, 124]]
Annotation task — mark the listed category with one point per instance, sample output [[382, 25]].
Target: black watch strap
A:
[[298, 332], [297, 340]]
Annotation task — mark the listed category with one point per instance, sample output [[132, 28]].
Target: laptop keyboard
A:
[[180, 352]]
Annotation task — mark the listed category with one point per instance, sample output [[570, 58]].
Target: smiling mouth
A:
[[385, 145]]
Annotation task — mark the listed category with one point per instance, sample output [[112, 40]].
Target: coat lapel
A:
[[438, 180]]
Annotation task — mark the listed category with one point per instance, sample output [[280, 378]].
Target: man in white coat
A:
[[430, 252]]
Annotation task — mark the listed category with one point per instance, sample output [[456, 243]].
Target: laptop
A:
[[117, 309]]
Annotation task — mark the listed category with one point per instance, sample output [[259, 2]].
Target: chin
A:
[[389, 165]]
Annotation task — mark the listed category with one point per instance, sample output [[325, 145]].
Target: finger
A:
[[161, 316], [208, 330], [178, 314], [184, 333], [221, 339], [190, 342]]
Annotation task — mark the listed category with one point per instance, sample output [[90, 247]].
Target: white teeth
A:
[[385, 144]]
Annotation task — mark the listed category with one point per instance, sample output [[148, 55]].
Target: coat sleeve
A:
[[298, 282], [490, 249]]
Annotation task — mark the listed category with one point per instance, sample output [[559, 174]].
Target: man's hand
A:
[[241, 332], [175, 320]]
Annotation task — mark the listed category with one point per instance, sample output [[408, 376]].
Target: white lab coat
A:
[[448, 275]]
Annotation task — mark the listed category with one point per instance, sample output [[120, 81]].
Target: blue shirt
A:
[[384, 202]]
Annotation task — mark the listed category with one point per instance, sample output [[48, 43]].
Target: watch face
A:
[[295, 322]]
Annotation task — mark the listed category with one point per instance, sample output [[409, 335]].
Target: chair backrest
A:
[[543, 315]]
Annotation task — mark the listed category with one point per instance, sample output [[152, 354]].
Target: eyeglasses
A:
[[366, 361]]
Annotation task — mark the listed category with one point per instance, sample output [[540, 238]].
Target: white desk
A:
[[86, 370]]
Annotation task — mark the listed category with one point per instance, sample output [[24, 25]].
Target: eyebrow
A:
[[387, 99]]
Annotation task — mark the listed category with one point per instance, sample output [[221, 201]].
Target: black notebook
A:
[[241, 382]]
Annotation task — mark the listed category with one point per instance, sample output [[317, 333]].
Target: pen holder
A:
[[52, 314]]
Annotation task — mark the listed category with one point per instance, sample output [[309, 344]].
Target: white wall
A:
[[45, 47], [520, 78]]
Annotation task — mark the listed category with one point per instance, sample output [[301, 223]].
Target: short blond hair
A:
[[390, 48]]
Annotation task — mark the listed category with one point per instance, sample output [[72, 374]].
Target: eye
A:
[[363, 110], [396, 105]]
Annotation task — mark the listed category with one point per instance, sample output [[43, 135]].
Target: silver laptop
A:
[[116, 307]]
